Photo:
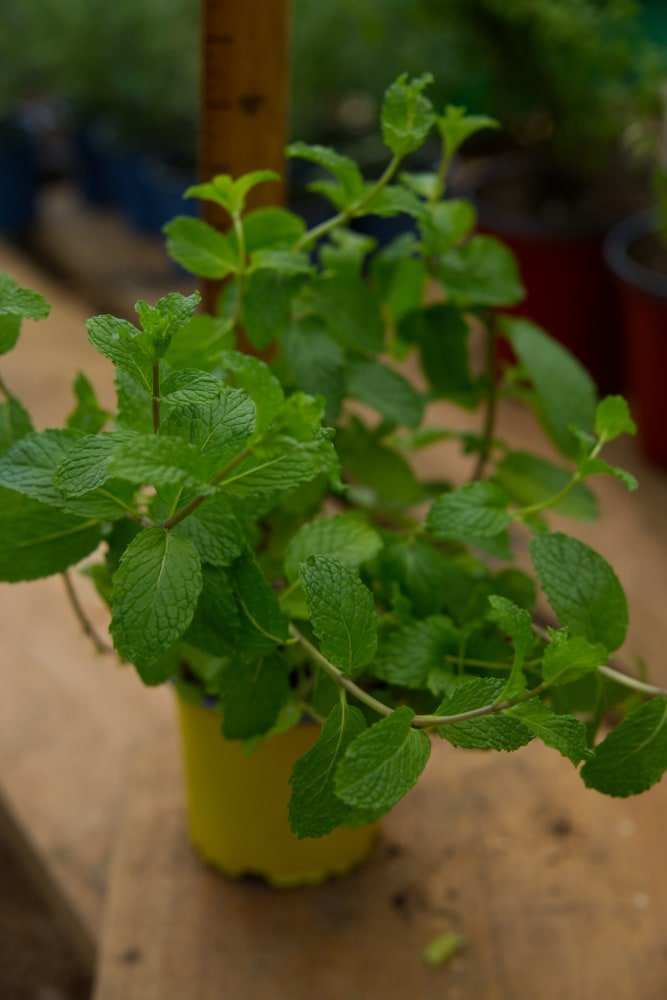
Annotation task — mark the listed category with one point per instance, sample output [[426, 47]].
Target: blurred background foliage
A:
[[568, 75]]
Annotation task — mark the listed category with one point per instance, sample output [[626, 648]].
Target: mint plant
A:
[[277, 570]]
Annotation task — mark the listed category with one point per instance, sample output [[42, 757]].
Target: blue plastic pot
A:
[[18, 180]]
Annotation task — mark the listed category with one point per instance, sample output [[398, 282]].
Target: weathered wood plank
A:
[[559, 893]]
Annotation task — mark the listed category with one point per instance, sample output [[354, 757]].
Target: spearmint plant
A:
[[261, 562]]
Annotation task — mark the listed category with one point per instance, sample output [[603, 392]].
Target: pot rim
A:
[[616, 250], [507, 222]]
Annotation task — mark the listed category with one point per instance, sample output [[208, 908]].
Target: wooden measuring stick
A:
[[244, 97]]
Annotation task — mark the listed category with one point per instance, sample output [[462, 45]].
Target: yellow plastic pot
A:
[[237, 806]]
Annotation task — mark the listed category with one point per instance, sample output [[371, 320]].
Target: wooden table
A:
[[559, 892]]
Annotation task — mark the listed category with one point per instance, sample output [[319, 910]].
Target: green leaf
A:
[[15, 423], [189, 387], [517, 623], [567, 659], [346, 537], [472, 513], [401, 283], [201, 249], [231, 194], [253, 375], [85, 466], [314, 808], [445, 224], [483, 272], [154, 596], [133, 404], [379, 467], [442, 949], [345, 251], [266, 623], [158, 459], [419, 570], [213, 432], [317, 361], [166, 318], [564, 392], [528, 479], [409, 654], [633, 757], [612, 418], [17, 304], [407, 116], [282, 260], [582, 588], [279, 466], [200, 343], [392, 201], [342, 613], [121, 342], [455, 126], [563, 733], [271, 227], [267, 305], [252, 695], [36, 540], [88, 415], [215, 530], [592, 466], [443, 334], [216, 625], [496, 731], [350, 310], [345, 170], [383, 763], [30, 467], [386, 391]]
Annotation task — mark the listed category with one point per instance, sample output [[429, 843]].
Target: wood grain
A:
[[73, 726], [559, 893]]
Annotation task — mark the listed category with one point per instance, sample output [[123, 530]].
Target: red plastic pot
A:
[[643, 297], [569, 291]]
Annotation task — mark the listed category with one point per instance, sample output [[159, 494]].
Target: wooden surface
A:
[[560, 894], [73, 726]]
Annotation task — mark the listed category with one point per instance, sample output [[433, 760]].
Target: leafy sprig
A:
[[254, 562]]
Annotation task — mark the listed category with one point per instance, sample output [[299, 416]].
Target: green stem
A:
[[491, 400], [241, 276], [317, 232], [443, 169], [418, 721], [534, 508], [88, 628], [155, 397], [184, 512], [632, 682], [617, 675], [5, 390], [338, 676]]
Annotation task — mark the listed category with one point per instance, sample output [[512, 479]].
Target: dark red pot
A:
[[569, 291], [643, 297]]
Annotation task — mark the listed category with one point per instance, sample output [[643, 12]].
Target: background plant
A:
[[241, 563]]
